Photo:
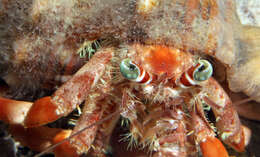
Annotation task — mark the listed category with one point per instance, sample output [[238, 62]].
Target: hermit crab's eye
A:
[[203, 71], [129, 70]]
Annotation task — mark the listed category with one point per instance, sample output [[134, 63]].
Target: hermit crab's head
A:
[[150, 62]]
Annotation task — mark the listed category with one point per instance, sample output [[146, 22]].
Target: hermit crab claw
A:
[[231, 131], [70, 94], [42, 112], [13, 112], [212, 147]]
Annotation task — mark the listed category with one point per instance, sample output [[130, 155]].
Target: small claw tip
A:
[[244, 138], [65, 149], [42, 112], [13, 112], [212, 147]]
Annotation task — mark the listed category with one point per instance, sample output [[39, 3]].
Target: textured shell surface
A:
[[42, 35]]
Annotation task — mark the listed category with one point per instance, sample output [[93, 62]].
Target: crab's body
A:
[[158, 44]]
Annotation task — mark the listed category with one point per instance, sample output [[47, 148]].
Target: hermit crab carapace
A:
[[147, 60]]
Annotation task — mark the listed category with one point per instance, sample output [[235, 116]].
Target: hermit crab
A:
[[152, 62]]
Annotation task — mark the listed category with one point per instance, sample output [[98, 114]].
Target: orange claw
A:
[[12, 111], [212, 147], [65, 149], [37, 139], [42, 112]]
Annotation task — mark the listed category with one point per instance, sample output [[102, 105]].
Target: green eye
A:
[[203, 71], [129, 70]]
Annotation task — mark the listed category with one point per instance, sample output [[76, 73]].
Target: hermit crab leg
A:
[[97, 135], [92, 113], [66, 137], [227, 120], [130, 107], [71, 94], [204, 135], [97, 102], [94, 109], [100, 145]]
